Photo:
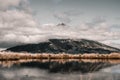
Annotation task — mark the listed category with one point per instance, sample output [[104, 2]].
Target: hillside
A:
[[65, 45]]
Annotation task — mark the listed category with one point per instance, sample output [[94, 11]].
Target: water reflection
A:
[[60, 70]]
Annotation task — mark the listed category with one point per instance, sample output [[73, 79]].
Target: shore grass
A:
[[17, 56]]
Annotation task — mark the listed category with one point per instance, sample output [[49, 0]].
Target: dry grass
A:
[[17, 56]]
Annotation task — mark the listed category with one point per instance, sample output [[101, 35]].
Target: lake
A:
[[60, 69]]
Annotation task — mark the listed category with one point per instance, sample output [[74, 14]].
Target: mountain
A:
[[65, 45], [61, 24]]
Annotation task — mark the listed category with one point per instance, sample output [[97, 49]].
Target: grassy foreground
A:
[[17, 56]]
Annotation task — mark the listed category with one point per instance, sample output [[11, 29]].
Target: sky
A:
[[75, 11], [34, 21]]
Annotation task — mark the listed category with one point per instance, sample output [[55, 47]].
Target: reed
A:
[[23, 55]]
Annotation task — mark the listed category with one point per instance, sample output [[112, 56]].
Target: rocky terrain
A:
[[66, 46]]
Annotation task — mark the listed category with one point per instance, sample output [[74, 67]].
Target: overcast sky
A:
[[76, 10], [33, 21]]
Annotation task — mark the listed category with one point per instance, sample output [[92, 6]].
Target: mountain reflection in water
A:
[[59, 70]]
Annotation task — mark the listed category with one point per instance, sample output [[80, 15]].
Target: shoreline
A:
[[23, 55]]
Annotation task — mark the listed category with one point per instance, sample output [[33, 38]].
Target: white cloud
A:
[[9, 3], [18, 26]]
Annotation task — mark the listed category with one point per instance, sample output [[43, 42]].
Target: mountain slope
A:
[[65, 45]]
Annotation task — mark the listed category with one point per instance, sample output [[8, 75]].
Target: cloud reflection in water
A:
[[72, 70]]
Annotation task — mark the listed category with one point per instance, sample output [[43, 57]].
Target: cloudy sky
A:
[[33, 21]]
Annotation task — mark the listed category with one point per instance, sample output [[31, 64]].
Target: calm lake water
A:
[[60, 70]]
